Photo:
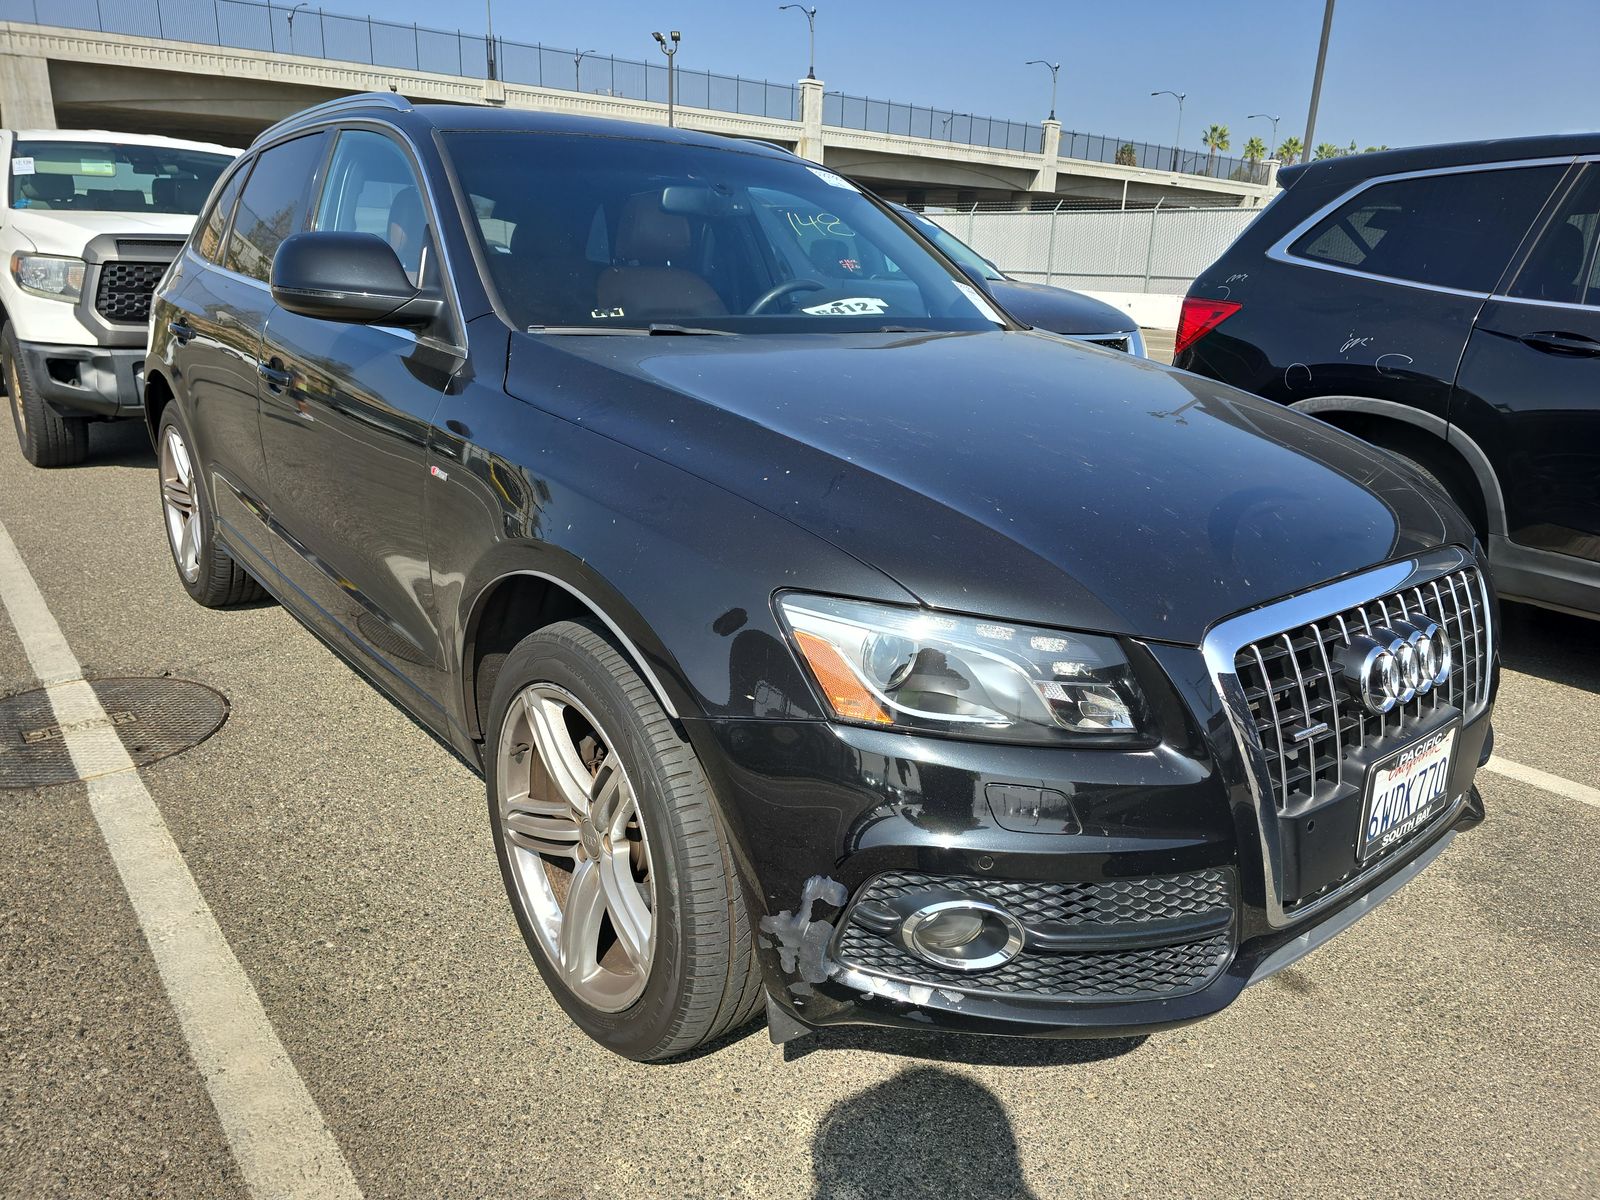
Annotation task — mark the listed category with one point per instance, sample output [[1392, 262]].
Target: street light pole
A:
[[577, 69], [811, 23], [1272, 149], [488, 17], [1055, 72], [1178, 138], [292, 12], [1316, 82], [670, 52]]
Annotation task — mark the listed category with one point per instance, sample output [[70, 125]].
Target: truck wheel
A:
[[47, 438], [206, 571], [613, 856]]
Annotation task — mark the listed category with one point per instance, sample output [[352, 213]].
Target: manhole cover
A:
[[155, 718]]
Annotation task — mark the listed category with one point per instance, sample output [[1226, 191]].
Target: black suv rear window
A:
[[1455, 230]]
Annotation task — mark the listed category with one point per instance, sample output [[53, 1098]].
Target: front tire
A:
[[611, 850], [46, 437], [206, 571]]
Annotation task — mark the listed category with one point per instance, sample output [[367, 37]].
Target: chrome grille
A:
[[1308, 727]]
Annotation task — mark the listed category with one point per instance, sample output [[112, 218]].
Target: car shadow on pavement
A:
[[1553, 645], [118, 444], [973, 1049], [926, 1134]]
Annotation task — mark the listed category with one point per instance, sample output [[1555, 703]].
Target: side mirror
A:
[[353, 277]]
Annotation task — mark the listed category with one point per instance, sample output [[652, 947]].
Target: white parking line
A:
[[1581, 792], [277, 1135]]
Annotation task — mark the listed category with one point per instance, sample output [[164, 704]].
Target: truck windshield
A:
[[601, 234], [111, 177]]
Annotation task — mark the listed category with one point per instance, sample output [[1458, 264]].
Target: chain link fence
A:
[[301, 29], [1153, 249]]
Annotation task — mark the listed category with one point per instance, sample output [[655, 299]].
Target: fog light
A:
[[962, 935]]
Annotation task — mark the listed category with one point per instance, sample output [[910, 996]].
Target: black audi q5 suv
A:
[[826, 641]]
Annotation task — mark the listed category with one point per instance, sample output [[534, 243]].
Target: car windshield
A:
[[958, 251], [112, 177], [595, 234]]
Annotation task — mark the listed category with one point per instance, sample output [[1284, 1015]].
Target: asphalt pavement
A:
[[1447, 1045]]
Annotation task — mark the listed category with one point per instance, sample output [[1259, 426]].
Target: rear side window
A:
[[1455, 230], [1563, 266], [273, 205], [215, 224]]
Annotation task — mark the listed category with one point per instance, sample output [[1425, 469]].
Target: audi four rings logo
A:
[[1394, 665]]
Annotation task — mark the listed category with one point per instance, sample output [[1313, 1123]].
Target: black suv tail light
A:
[[1199, 317]]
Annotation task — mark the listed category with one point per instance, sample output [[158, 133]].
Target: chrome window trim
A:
[[1572, 304], [1279, 250], [1223, 643]]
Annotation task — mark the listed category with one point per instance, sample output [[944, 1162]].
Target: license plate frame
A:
[[1382, 832]]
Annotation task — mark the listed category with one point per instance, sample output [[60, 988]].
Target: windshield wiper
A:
[[664, 328], [659, 329]]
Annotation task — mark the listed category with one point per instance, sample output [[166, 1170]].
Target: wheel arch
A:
[[158, 394], [1447, 442], [521, 600]]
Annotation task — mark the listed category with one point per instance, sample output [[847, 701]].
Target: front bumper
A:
[[97, 380], [825, 817]]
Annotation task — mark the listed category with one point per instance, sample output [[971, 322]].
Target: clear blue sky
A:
[[1401, 72]]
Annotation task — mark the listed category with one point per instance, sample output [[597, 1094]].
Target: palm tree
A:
[[1255, 150], [1375, 149], [1127, 156], [1326, 150], [1290, 151], [1213, 139]]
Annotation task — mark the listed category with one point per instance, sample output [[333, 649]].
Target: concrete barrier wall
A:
[[1151, 252]]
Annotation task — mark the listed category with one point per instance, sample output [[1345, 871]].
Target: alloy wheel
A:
[[178, 503], [578, 847]]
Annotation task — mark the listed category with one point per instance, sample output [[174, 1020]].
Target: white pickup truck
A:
[[90, 222]]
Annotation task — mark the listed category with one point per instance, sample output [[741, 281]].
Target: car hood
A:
[[1056, 309], [56, 231], [1008, 474]]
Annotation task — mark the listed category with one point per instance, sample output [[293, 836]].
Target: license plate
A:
[[1408, 789]]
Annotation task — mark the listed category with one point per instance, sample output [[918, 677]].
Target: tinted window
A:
[[372, 189], [610, 232], [112, 177], [273, 205], [1562, 266], [215, 224], [1454, 230]]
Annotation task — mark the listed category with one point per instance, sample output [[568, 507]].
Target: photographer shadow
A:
[[927, 1134]]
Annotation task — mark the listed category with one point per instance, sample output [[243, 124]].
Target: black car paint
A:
[[1519, 425], [671, 486]]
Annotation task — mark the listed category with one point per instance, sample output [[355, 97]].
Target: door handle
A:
[[275, 376], [1553, 342], [180, 331]]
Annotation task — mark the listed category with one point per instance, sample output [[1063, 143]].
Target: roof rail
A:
[[360, 100]]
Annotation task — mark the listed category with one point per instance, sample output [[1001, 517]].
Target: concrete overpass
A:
[[74, 78]]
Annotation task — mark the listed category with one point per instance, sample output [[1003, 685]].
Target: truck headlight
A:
[[920, 671], [48, 275]]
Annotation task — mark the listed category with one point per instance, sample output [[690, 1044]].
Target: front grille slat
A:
[[1291, 684]]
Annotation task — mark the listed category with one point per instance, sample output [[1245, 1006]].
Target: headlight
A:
[[48, 276], [1136, 345], [916, 670]]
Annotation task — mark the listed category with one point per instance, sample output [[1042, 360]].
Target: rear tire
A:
[[46, 437], [686, 972], [206, 571]]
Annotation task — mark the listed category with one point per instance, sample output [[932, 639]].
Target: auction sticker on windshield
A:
[[855, 306], [1409, 788]]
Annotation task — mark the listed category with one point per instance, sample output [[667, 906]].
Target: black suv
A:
[[821, 635], [1444, 303]]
